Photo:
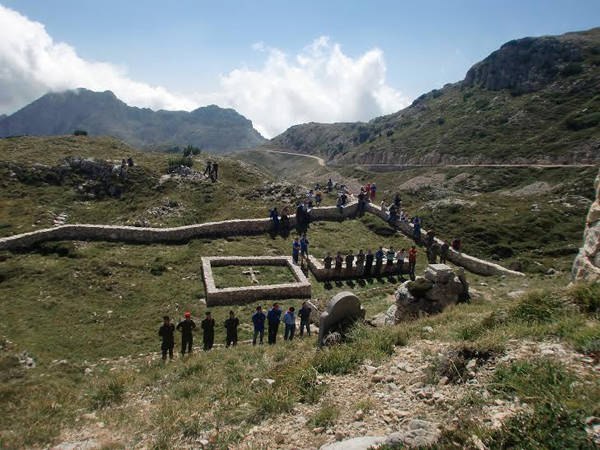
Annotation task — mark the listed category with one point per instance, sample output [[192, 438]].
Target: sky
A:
[[279, 63]]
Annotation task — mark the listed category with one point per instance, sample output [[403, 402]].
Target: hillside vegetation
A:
[[533, 100]]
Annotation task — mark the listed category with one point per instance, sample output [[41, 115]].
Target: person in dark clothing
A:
[[214, 173], [379, 260], [329, 185], [412, 262], [274, 218], [273, 318], [208, 169], [208, 331], [349, 260], [397, 201], [258, 320], [186, 327], [231, 325], [304, 314], [166, 332], [444, 252], [368, 262], [338, 263], [360, 260], [327, 261], [456, 244], [130, 161]]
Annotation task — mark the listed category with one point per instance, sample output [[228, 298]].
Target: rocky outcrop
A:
[[343, 310], [523, 65], [586, 266], [430, 294]]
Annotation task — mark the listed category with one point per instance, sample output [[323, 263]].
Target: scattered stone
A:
[[377, 378], [318, 430], [371, 369], [427, 329], [443, 381], [339, 435]]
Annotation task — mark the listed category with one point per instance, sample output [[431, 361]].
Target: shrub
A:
[[539, 307], [325, 416], [80, 133], [173, 163], [157, 269], [108, 393], [586, 297], [571, 69]]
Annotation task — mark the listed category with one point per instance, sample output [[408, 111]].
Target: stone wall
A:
[[586, 266], [223, 229], [247, 294]]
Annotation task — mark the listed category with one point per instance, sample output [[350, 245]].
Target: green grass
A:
[[233, 276]]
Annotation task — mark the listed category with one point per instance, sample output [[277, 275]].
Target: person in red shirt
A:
[[412, 261]]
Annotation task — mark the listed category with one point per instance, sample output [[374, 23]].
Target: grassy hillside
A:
[[549, 114], [31, 198]]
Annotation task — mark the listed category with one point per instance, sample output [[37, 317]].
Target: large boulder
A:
[[342, 311], [430, 294], [586, 266]]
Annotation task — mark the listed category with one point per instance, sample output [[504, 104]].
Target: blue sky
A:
[[187, 47]]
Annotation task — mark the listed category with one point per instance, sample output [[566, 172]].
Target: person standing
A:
[[327, 261], [258, 320], [373, 191], [304, 246], [208, 169], [274, 218], [349, 260], [456, 244], [339, 259], [208, 331], [304, 314], [273, 318], [400, 260], [186, 327], [368, 262], [231, 325], [444, 252], [389, 256], [295, 250], [417, 229], [360, 261], [412, 262], [214, 174], [378, 260], [166, 332], [289, 320]]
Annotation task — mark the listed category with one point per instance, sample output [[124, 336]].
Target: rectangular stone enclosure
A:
[[248, 294]]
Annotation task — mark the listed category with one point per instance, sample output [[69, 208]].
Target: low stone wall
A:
[[475, 265], [247, 294], [223, 229], [323, 274]]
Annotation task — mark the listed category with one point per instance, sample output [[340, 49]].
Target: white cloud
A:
[[320, 84], [31, 64]]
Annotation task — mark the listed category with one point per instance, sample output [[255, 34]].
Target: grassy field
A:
[[233, 276]]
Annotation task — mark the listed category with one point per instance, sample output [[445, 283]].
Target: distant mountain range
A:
[[534, 100], [102, 113]]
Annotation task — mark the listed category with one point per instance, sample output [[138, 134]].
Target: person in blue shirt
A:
[[258, 319], [295, 250], [273, 318], [289, 319], [417, 229], [304, 246]]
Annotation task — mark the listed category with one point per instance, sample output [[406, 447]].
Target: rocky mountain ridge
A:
[[101, 113], [532, 101]]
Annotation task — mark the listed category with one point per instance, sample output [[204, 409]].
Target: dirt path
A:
[[320, 160]]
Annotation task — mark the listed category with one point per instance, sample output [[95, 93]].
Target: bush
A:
[[581, 121], [586, 297], [174, 163], [108, 393], [539, 307], [571, 69], [191, 150], [80, 133], [157, 269], [325, 416]]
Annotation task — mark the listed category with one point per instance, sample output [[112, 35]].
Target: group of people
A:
[[273, 318], [370, 263], [212, 170], [125, 163]]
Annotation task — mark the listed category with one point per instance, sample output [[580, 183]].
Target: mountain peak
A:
[[103, 113]]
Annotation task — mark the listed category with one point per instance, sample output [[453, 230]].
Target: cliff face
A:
[[586, 266], [534, 100], [524, 65]]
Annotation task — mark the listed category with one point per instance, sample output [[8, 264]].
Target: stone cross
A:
[[252, 273]]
